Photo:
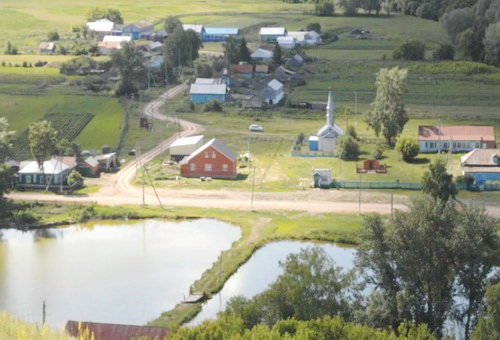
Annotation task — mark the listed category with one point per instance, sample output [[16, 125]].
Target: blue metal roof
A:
[[221, 30]]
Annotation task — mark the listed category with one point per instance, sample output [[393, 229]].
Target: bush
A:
[[314, 26], [351, 131], [408, 147], [82, 214], [410, 50], [348, 147], [466, 179], [24, 217], [213, 105], [324, 8], [378, 154], [75, 177], [444, 52], [53, 36]]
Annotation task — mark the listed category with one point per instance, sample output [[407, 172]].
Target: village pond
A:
[[262, 269], [112, 272]]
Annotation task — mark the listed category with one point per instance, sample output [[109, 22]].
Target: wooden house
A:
[[139, 30], [273, 92], [202, 93], [271, 34], [261, 70], [52, 175], [457, 138], [112, 43], [213, 159], [243, 70], [263, 55], [482, 164]]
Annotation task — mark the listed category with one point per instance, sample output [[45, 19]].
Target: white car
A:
[[256, 128]]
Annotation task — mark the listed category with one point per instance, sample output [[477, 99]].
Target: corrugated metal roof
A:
[[192, 140], [242, 68], [104, 331], [221, 30], [195, 27], [101, 25], [216, 144], [261, 53], [456, 132], [262, 68], [53, 166], [205, 81], [484, 157], [47, 46], [299, 35], [208, 89], [272, 31]]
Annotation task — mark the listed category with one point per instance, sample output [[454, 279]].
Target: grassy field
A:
[[26, 23]]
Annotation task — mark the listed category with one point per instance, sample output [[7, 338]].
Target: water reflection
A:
[[114, 272], [262, 269]]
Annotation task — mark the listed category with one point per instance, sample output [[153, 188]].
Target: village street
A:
[[116, 189]]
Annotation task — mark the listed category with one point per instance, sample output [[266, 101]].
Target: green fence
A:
[[376, 185], [313, 154]]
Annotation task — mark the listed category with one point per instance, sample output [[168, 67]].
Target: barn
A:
[[213, 159], [185, 146]]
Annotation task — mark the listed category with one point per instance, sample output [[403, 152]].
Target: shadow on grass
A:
[[419, 161]]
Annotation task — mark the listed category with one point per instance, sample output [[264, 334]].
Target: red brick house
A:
[[212, 159]]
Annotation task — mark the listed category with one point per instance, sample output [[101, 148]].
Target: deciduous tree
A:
[[389, 114], [408, 147], [130, 64], [42, 140], [105, 13], [438, 183]]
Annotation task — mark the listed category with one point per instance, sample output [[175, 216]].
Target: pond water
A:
[[262, 269], [122, 272]]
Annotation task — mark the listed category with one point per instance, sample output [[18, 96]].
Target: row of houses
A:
[[289, 39], [53, 174]]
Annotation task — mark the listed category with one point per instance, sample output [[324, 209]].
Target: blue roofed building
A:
[[219, 33], [482, 164], [202, 93]]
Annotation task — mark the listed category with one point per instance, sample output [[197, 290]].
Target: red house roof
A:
[[242, 68], [216, 144], [456, 132], [105, 331]]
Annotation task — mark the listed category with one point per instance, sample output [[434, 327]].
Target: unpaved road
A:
[[117, 190]]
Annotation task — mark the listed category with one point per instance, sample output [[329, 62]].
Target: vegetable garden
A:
[[67, 125]]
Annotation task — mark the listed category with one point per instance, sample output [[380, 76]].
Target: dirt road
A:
[[117, 190]]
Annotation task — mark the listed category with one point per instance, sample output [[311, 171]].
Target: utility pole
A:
[[253, 186], [44, 312], [359, 199], [392, 205], [355, 106]]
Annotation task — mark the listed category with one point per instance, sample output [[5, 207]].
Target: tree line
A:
[[424, 266]]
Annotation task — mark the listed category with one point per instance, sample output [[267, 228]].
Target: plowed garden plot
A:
[[68, 126]]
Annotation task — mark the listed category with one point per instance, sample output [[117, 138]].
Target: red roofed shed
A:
[[107, 331]]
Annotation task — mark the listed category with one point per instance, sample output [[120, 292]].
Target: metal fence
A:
[[376, 185], [313, 154]]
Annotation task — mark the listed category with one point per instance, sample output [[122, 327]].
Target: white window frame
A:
[[208, 166], [192, 166], [225, 167]]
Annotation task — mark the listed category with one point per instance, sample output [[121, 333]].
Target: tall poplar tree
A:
[[42, 140], [389, 114]]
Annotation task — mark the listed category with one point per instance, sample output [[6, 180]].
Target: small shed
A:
[[261, 70], [185, 146], [107, 331], [313, 143], [202, 93], [107, 162], [47, 47], [88, 167], [321, 178], [273, 92]]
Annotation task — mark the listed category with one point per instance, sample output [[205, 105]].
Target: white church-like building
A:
[[326, 139]]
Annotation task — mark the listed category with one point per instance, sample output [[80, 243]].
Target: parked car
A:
[[256, 128]]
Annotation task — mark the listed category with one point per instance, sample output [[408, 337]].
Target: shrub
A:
[[53, 36], [351, 131], [410, 50], [348, 147], [24, 217], [75, 177], [82, 214], [408, 147], [466, 179], [213, 105], [444, 52], [314, 26], [378, 154]]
